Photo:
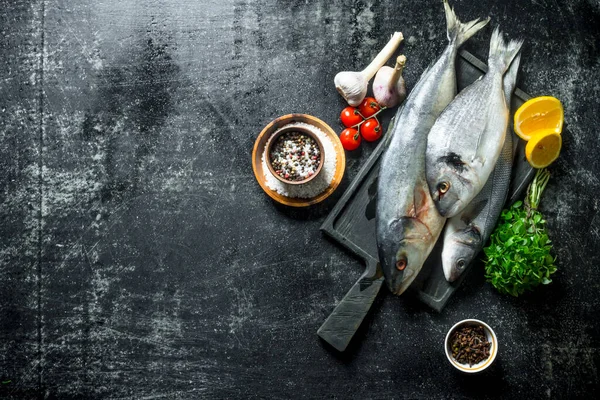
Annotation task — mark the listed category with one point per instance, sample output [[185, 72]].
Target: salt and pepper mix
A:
[[295, 156]]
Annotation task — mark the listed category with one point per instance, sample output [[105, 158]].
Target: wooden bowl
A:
[[274, 139], [259, 149]]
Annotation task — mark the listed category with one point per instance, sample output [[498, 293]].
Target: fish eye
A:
[[460, 264], [443, 187], [400, 265]]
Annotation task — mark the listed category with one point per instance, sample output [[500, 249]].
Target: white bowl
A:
[[491, 337]]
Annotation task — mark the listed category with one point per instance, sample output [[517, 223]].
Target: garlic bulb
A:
[[353, 85], [388, 86]]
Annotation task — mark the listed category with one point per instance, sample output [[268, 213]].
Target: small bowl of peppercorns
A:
[[471, 346], [295, 155]]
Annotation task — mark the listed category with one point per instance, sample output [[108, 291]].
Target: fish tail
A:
[[501, 53], [510, 78], [457, 31]]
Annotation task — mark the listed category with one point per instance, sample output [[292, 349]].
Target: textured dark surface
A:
[[140, 259]]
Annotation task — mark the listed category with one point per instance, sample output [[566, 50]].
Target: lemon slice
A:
[[539, 114], [543, 148]]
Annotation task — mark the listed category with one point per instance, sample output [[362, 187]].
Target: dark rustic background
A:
[[140, 259]]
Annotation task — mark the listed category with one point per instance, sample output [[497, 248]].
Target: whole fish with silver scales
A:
[[408, 224], [467, 232], [467, 138]]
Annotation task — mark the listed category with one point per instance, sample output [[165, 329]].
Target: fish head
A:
[[402, 251], [452, 184], [460, 248]]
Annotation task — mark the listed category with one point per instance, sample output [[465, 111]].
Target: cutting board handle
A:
[[341, 325]]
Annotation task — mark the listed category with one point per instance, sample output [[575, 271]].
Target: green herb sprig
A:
[[518, 257]]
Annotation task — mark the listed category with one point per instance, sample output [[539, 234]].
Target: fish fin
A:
[[502, 54], [412, 213], [473, 233], [478, 161], [510, 82], [507, 152], [421, 201], [510, 79], [458, 31], [473, 210]]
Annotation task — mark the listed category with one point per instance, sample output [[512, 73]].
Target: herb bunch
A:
[[518, 257]]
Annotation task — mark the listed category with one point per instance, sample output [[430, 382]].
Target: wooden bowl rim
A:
[[259, 147]]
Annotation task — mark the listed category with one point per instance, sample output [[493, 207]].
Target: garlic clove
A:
[[352, 86], [389, 88], [381, 90]]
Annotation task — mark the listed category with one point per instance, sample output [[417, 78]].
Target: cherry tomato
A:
[[368, 107], [371, 130], [350, 139], [350, 117]]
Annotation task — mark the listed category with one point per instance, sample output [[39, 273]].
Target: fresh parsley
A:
[[518, 257]]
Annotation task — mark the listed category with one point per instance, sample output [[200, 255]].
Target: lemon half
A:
[[543, 148], [538, 115]]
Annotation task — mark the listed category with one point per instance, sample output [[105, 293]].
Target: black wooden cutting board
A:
[[352, 224]]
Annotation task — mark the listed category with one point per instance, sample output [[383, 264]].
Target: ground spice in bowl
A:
[[295, 156], [469, 345]]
